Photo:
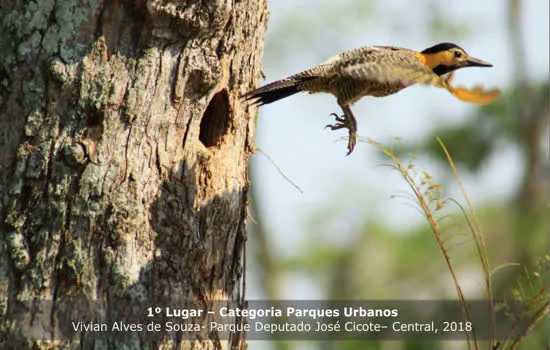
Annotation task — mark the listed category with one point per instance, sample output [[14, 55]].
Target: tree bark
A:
[[124, 151]]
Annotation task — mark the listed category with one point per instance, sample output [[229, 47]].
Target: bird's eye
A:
[[458, 54]]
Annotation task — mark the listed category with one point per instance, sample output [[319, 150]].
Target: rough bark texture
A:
[[123, 162]]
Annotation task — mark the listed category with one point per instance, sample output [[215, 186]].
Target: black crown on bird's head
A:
[[441, 47], [447, 57]]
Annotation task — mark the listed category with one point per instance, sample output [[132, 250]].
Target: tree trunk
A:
[[123, 166]]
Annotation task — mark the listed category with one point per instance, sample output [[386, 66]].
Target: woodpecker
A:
[[377, 71]]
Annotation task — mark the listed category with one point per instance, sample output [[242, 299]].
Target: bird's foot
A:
[[342, 122], [348, 123]]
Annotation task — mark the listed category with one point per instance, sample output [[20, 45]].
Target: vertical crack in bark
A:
[[126, 145], [187, 129]]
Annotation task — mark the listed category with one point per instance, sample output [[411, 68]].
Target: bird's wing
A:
[[475, 95], [408, 69], [385, 66]]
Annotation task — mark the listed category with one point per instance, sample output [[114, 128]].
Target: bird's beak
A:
[[474, 62]]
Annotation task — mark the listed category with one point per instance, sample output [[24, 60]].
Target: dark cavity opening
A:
[[94, 116], [215, 120]]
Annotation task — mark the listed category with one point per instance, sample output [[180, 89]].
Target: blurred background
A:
[[352, 234]]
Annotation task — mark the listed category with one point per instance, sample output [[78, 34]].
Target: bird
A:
[[377, 71]]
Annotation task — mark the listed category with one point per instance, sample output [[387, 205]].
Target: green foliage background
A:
[[516, 231]]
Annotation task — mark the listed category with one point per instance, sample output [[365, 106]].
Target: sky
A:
[[292, 132]]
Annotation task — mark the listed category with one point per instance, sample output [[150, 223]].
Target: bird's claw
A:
[[345, 122], [341, 122]]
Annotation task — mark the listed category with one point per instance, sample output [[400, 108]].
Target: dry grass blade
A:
[[502, 266], [258, 149], [423, 199], [427, 196], [479, 240]]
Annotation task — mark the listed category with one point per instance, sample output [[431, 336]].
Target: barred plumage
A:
[[376, 71]]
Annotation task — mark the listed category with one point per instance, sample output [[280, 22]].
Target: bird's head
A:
[[446, 57]]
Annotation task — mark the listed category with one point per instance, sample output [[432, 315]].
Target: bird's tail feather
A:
[[276, 90]]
